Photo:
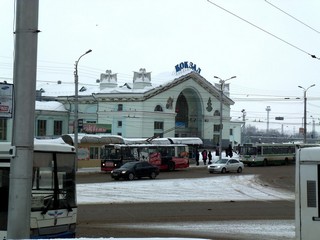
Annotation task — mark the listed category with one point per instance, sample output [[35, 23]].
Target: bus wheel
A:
[[286, 161], [171, 166], [130, 176], [153, 175], [265, 162]]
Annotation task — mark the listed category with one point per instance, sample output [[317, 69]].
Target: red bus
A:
[[165, 156]]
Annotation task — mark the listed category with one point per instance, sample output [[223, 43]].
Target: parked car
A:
[[132, 170], [226, 165]]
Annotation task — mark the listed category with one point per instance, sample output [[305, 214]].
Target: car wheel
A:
[[223, 170], [153, 175], [265, 162], [171, 166], [239, 170], [130, 176]]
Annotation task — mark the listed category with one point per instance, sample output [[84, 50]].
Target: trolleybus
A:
[[165, 156], [53, 206]]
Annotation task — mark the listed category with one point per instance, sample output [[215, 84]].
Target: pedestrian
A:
[[197, 157], [217, 150], [229, 151], [204, 156], [209, 157]]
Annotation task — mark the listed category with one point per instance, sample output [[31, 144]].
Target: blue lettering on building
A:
[[187, 65]]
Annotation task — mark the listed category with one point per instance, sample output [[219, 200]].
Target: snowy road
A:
[[222, 188]]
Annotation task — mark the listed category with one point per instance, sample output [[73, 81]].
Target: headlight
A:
[[123, 172], [218, 167]]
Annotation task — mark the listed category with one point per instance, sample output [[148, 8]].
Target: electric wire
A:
[[261, 29], [292, 16]]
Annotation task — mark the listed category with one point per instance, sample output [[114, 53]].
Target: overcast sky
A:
[[266, 49]]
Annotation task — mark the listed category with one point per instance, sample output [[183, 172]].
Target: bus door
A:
[[4, 197], [154, 156], [308, 195]]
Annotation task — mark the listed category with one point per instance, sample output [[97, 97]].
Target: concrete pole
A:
[[268, 109], [24, 79], [305, 112], [222, 82], [76, 105]]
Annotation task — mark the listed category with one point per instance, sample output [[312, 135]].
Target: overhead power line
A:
[[263, 30], [292, 16]]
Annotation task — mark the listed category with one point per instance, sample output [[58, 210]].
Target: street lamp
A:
[[305, 112], [222, 82], [76, 82]]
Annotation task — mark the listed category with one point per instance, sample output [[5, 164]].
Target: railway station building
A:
[[181, 103]]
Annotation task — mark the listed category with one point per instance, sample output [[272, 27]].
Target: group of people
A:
[[207, 155]]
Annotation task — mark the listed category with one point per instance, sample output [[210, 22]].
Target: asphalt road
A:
[[114, 220]]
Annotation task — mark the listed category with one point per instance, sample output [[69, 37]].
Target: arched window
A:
[[158, 108], [216, 113]]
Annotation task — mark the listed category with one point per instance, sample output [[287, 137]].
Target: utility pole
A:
[[305, 112], [24, 80], [268, 109], [222, 82]]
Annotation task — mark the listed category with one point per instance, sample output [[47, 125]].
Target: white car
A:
[[226, 165]]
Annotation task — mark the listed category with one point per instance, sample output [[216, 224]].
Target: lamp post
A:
[[222, 82], [76, 103], [305, 112]]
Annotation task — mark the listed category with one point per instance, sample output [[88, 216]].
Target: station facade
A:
[[180, 104]]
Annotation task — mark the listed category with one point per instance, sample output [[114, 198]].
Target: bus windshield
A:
[[248, 150], [53, 181]]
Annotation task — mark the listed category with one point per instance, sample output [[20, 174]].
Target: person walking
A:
[[217, 150], [229, 151], [204, 156], [209, 157], [197, 157]]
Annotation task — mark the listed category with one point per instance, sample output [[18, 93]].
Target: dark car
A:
[[132, 170]]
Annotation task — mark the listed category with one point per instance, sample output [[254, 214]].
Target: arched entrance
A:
[[189, 111]]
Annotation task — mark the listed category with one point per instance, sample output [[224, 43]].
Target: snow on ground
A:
[[227, 187], [223, 188]]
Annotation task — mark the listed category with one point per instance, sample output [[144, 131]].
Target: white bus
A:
[[263, 154], [307, 200], [53, 206]]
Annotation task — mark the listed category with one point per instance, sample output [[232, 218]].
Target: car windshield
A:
[[128, 165], [224, 160]]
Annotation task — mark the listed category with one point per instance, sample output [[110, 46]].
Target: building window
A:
[[158, 108], [119, 134], [216, 128], [231, 131], [3, 129], [158, 135], [94, 153], [57, 128], [158, 125], [216, 113], [120, 107], [42, 128], [216, 140], [119, 123]]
